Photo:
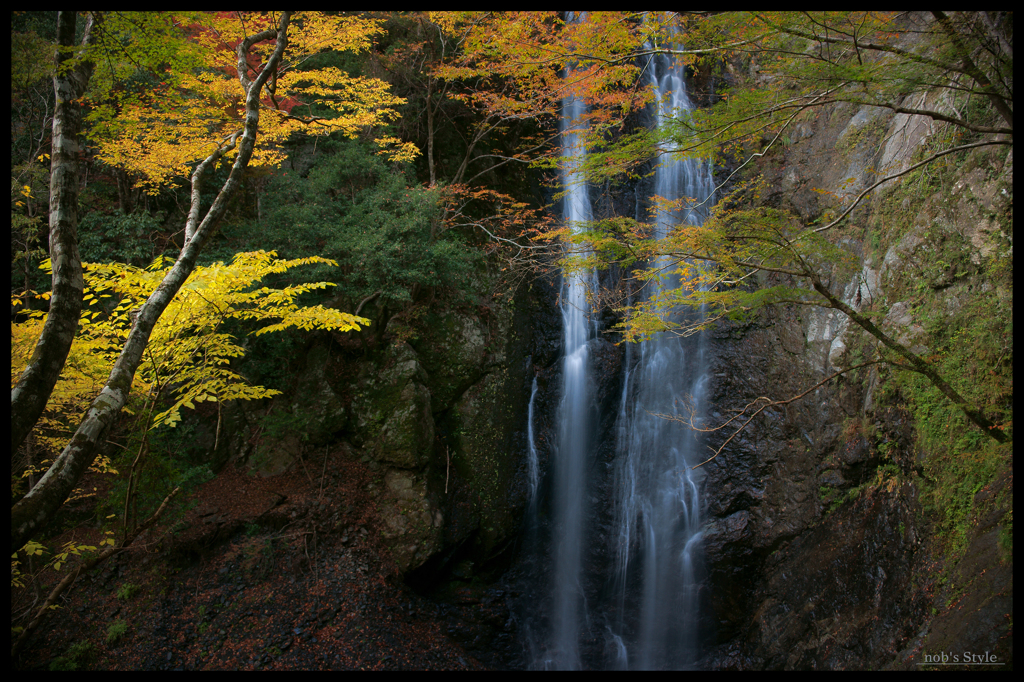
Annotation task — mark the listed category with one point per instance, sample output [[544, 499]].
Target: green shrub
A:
[[106, 238], [78, 656], [116, 631], [371, 218], [127, 591]]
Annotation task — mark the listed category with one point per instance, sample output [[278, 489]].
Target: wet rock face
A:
[[437, 412], [841, 594], [815, 553], [797, 578], [316, 400], [762, 490], [791, 585], [545, 322]]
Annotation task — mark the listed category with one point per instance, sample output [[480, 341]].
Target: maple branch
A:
[[877, 47], [887, 178], [935, 115], [915, 363], [301, 119], [970, 68], [223, 147]]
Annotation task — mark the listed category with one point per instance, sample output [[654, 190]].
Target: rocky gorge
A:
[[864, 525], [823, 545]]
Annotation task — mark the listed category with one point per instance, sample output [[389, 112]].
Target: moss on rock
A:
[[453, 348]]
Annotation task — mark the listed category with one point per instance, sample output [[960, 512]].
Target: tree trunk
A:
[[33, 511], [430, 133], [30, 395]]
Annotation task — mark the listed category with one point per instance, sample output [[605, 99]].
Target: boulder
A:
[[412, 522]]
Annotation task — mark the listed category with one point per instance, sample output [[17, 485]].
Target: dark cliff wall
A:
[[869, 524], [434, 405]]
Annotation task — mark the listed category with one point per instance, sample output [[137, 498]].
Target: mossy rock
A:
[[412, 523], [484, 459], [407, 437], [454, 350], [314, 401], [380, 388]]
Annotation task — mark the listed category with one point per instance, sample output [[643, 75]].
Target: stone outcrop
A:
[[818, 549], [438, 413]]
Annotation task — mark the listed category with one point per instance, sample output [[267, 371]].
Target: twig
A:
[[359, 308], [327, 452], [305, 550], [304, 469], [768, 402], [216, 438], [316, 571]]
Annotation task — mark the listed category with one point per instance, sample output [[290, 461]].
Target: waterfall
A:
[[533, 460], [638, 589], [576, 416], [657, 495]]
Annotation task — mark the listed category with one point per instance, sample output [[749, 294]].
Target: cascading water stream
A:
[[647, 609], [533, 460], [657, 500], [576, 418]]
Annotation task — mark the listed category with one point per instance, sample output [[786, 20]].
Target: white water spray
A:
[[657, 499], [576, 417]]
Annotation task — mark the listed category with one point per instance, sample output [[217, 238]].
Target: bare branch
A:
[[887, 178], [764, 402]]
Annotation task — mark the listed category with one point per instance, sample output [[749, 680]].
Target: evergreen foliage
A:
[[120, 237], [369, 216]]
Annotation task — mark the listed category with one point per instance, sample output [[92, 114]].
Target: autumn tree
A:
[[186, 362], [953, 69], [515, 67], [491, 86], [219, 77]]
